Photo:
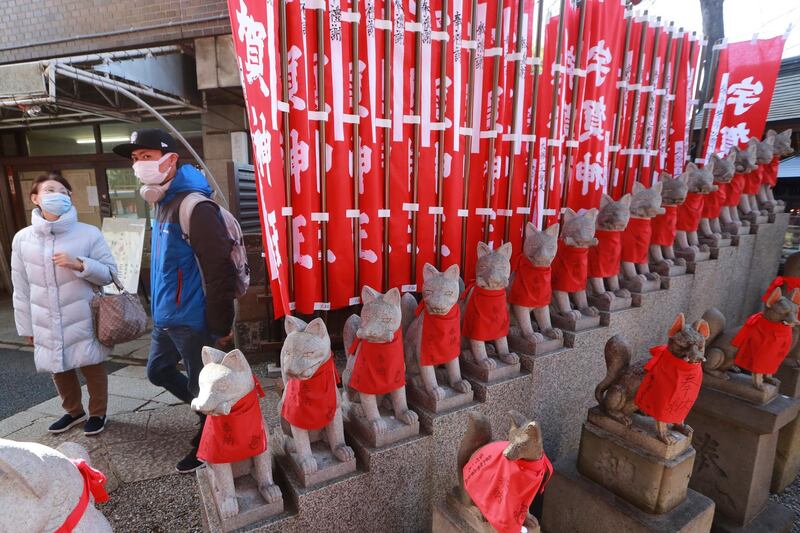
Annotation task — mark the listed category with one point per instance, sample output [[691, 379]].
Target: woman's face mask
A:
[[55, 203]]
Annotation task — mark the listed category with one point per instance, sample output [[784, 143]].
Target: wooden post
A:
[[537, 70], [621, 98], [651, 134], [498, 40], [467, 151], [417, 135], [634, 107], [441, 119], [709, 86], [323, 178], [387, 138], [356, 159], [287, 163]]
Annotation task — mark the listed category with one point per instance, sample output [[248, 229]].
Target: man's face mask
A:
[[148, 172]]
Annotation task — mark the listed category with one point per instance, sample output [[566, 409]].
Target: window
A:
[[69, 140], [115, 133]]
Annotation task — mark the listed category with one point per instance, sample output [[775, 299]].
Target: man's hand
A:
[[223, 342], [65, 261]]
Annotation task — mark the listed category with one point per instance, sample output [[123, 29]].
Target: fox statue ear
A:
[[368, 294], [393, 297], [317, 328], [795, 296], [292, 324], [505, 250], [552, 230], [530, 230], [452, 272], [211, 355], [236, 361], [605, 200], [625, 200], [703, 328], [680, 322], [774, 297], [518, 420], [428, 271], [483, 249]]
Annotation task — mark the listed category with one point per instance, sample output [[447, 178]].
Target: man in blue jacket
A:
[[192, 285]]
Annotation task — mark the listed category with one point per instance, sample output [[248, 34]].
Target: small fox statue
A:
[[673, 194], [744, 163], [701, 184], [710, 229], [782, 147], [645, 205], [748, 206], [605, 258], [571, 265]]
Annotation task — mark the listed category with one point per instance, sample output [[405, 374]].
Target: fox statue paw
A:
[[270, 492], [437, 393], [408, 417], [308, 464], [553, 333], [378, 426], [344, 453], [462, 386], [509, 358]]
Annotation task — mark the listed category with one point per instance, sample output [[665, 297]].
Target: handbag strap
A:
[[117, 282]]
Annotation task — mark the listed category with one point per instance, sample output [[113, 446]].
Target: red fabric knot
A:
[[93, 484], [532, 284], [604, 259], [238, 435], [570, 268], [380, 367], [670, 387], [664, 226], [310, 404], [690, 211], [441, 335], [636, 240], [763, 344], [502, 489], [486, 314]]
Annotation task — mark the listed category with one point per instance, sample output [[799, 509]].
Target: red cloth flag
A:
[[686, 73], [746, 75], [255, 38]]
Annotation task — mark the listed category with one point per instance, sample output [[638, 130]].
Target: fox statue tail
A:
[[479, 434], [618, 359]]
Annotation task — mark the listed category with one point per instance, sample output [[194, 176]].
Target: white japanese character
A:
[[273, 250], [733, 136], [304, 260], [587, 172], [262, 144], [598, 58], [594, 118], [253, 34], [298, 156], [365, 254], [744, 95], [293, 59]]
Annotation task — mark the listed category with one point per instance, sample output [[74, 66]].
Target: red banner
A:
[[746, 76], [685, 71]]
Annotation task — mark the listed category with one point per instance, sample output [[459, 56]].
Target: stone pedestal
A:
[[396, 430], [735, 442], [523, 346], [639, 286], [603, 304], [328, 466], [787, 454], [501, 370], [693, 257], [252, 506], [576, 504], [418, 396], [664, 270], [452, 516], [633, 463], [569, 323], [734, 229], [741, 386]]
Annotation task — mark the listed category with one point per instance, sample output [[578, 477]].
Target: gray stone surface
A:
[[775, 518], [329, 468], [252, 507], [417, 397], [523, 347], [741, 386], [473, 371], [789, 374], [575, 504], [396, 430], [616, 304], [568, 323]]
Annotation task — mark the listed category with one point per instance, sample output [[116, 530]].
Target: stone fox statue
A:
[[485, 313], [490, 476], [665, 387], [645, 205], [744, 163], [760, 345], [701, 184], [781, 146], [530, 283], [748, 205], [311, 403], [376, 361], [673, 194], [710, 228], [234, 430], [571, 265], [604, 259], [434, 336]]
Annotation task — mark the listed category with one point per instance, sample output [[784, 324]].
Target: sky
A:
[[743, 18]]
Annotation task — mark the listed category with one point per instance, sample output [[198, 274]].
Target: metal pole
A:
[[622, 96], [387, 138], [356, 160], [554, 120], [323, 178], [573, 104], [287, 165], [440, 152], [417, 136], [534, 102], [635, 106], [650, 134], [498, 41], [467, 150], [709, 83]]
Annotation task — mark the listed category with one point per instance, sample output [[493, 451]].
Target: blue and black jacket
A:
[[176, 280]]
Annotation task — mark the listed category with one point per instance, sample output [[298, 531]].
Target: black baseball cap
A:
[[148, 139]]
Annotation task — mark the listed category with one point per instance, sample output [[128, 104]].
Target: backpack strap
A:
[[188, 204]]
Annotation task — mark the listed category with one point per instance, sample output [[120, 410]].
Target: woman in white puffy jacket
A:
[[57, 263]]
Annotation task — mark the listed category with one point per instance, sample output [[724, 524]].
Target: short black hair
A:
[[53, 175]]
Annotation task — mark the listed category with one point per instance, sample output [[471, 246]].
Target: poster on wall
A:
[[125, 237]]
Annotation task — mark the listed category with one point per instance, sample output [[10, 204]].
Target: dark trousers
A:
[[170, 345]]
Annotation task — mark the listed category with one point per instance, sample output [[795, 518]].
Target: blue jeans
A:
[[170, 345]]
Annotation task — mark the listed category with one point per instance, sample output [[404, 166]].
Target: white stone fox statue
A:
[[434, 336], [311, 403], [376, 362], [234, 430]]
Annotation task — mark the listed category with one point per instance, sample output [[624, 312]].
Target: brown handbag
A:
[[119, 317]]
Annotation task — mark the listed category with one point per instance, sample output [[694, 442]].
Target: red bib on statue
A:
[[441, 336], [689, 212], [763, 345], [570, 268], [752, 181], [733, 190], [664, 226], [380, 367], [712, 203], [531, 286], [788, 283], [670, 387], [238, 435], [604, 259], [311, 403], [769, 172], [486, 315], [636, 240], [503, 490]]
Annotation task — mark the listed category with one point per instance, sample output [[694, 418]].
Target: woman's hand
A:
[[30, 340], [65, 261]]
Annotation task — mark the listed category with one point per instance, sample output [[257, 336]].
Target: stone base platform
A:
[[639, 286], [568, 323], [523, 346], [741, 386], [668, 271], [789, 374], [396, 430], [453, 399], [787, 454], [617, 304], [775, 518], [328, 466], [501, 370], [452, 516], [252, 507], [575, 504]]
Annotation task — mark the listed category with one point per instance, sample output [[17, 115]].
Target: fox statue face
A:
[[306, 348], [540, 247], [524, 439], [688, 343], [579, 228], [781, 142], [493, 267], [224, 380], [614, 214], [381, 315], [725, 167], [674, 190], [782, 309], [440, 290], [701, 180], [746, 159]]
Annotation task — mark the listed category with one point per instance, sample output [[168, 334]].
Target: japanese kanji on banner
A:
[[746, 76]]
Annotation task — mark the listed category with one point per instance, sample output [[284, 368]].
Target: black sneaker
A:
[[195, 442], [65, 422], [190, 463], [94, 425]]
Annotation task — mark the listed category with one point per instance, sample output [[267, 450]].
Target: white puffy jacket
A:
[[53, 304]]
